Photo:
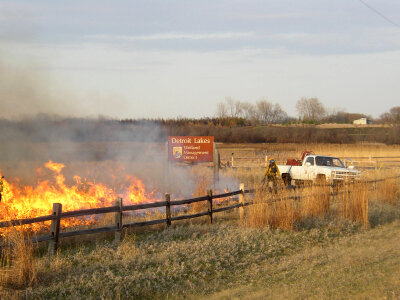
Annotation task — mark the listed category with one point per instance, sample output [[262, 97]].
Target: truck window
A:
[[323, 161], [336, 162], [329, 161], [310, 160]]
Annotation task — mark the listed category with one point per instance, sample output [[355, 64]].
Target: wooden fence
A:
[[57, 214], [118, 208]]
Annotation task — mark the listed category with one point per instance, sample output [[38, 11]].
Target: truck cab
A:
[[321, 168]]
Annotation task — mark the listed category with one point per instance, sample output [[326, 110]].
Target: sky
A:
[[167, 59]]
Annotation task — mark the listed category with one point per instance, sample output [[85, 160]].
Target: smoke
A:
[[36, 125], [28, 84], [34, 128], [25, 90], [101, 150]]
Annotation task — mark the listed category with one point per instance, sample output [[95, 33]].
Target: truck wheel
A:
[[321, 179], [287, 180]]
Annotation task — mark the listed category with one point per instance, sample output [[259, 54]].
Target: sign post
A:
[[217, 162]]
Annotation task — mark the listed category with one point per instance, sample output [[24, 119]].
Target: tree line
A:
[[309, 110], [263, 111], [76, 133]]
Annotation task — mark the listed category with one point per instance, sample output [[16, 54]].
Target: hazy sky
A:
[[133, 59]]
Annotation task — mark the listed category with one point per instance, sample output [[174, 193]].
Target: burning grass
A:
[[195, 258], [32, 201], [200, 260], [191, 257]]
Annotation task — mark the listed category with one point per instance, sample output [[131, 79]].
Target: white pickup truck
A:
[[319, 168]]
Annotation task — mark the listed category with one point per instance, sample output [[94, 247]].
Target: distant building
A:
[[362, 121]]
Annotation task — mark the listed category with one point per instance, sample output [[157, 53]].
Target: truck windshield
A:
[[329, 161]]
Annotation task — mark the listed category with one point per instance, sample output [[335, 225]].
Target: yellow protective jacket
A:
[[272, 171]]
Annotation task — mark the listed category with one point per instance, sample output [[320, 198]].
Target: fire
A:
[[21, 202]]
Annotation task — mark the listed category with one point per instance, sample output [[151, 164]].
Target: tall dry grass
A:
[[270, 210], [284, 209], [17, 261], [389, 191], [355, 202], [127, 247], [202, 184], [282, 214], [314, 202], [257, 215]]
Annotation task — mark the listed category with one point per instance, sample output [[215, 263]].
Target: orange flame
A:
[[28, 201]]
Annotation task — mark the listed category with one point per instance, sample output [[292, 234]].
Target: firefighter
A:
[[1, 187], [271, 175]]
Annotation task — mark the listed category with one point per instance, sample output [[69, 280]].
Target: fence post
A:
[[232, 161], [168, 209], [241, 201], [168, 166], [55, 228], [118, 220], [217, 162], [210, 205]]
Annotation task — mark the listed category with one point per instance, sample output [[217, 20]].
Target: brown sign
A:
[[190, 148]]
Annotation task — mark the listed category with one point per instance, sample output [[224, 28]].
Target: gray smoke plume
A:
[[101, 150], [25, 91], [35, 128]]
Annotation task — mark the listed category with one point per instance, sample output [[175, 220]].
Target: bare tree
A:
[[310, 109], [230, 104], [222, 110], [278, 114], [234, 107], [238, 109], [250, 112], [270, 113], [392, 116], [264, 111], [395, 112]]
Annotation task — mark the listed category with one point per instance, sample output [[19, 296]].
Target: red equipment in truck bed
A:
[[298, 162], [293, 162]]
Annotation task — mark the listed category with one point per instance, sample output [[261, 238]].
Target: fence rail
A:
[[57, 216], [119, 209], [26, 221]]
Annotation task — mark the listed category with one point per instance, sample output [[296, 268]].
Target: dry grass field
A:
[[316, 246], [360, 266], [363, 154]]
